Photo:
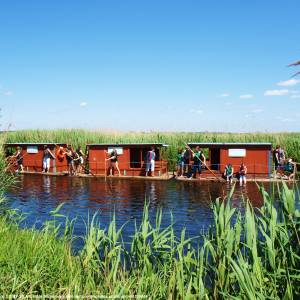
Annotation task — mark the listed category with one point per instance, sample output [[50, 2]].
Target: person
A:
[[286, 170], [150, 161], [289, 168], [198, 158], [78, 160], [60, 154], [19, 159], [228, 173], [279, 157], [242, 174], [69, 156], [180, 162], [47, 155], [186, 159], [113, 162]]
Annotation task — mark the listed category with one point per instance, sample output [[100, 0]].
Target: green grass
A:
[[290, 141], [249, 256]]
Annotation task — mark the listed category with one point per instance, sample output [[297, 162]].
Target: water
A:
[[189, 202]]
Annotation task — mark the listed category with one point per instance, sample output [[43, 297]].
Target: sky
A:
[[150, 65]]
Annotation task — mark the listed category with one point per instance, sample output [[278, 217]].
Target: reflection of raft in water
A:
[[251, 179]]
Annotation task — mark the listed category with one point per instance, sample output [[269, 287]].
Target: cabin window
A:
[[32, 149], [118, 149], [236, 152], [135, 158]]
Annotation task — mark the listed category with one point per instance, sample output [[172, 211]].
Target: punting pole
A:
[[105, 169]]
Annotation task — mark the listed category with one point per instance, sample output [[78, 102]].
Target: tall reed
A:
[[253, 254]]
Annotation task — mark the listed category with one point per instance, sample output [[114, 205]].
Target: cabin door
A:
[[215, 159], [135, 158]]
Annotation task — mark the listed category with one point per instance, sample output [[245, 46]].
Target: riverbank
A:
[[250, 255]]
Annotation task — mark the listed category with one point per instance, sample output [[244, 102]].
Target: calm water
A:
[[189, 201]]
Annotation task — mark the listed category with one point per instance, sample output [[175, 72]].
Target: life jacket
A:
[[60, 155], [197, 157], [228, 170]]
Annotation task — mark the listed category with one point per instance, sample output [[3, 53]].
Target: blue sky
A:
[[150, 65]]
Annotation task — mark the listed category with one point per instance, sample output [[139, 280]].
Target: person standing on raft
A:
[[186, 160], [47, 155], [19, 158], [180, 162], [113, 162], [198, 158], [70, 159], [150, 161]]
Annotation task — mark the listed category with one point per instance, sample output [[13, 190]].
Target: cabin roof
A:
[[217, 145], [129, 145]]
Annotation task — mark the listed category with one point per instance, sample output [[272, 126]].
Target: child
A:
[[19, 158], [47, 155], [180, 162], [150, 161], [228, 173], [243, 173], [113, 162]]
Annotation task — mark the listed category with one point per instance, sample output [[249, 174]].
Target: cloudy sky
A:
[[150, 65]]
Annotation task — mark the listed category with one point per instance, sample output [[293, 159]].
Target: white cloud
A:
[[289, 82], [196, 111], [257, 110], [83, 104], [276, 92], [225, 95], [294, 92], [285, 120], [295, 96], [8, 93], [228, 103], [246, 96]]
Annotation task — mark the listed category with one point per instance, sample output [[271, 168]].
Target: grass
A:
[[290, 141], [254, 255]]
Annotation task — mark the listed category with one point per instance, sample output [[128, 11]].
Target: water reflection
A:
[[190, 202]]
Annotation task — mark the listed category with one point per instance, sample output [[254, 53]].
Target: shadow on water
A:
[[190, 202]]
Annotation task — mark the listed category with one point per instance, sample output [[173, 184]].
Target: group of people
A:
[[75, 159], [241, 174], [113, 162], [284, 167], [190, 163]]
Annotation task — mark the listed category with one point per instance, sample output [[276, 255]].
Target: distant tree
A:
[[297, 63]]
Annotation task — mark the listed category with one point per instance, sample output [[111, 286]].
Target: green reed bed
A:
[[254, 255], [290, 141]]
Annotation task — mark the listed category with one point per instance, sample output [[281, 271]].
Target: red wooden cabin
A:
[[256, 156], [131, 159], [32, 154]]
